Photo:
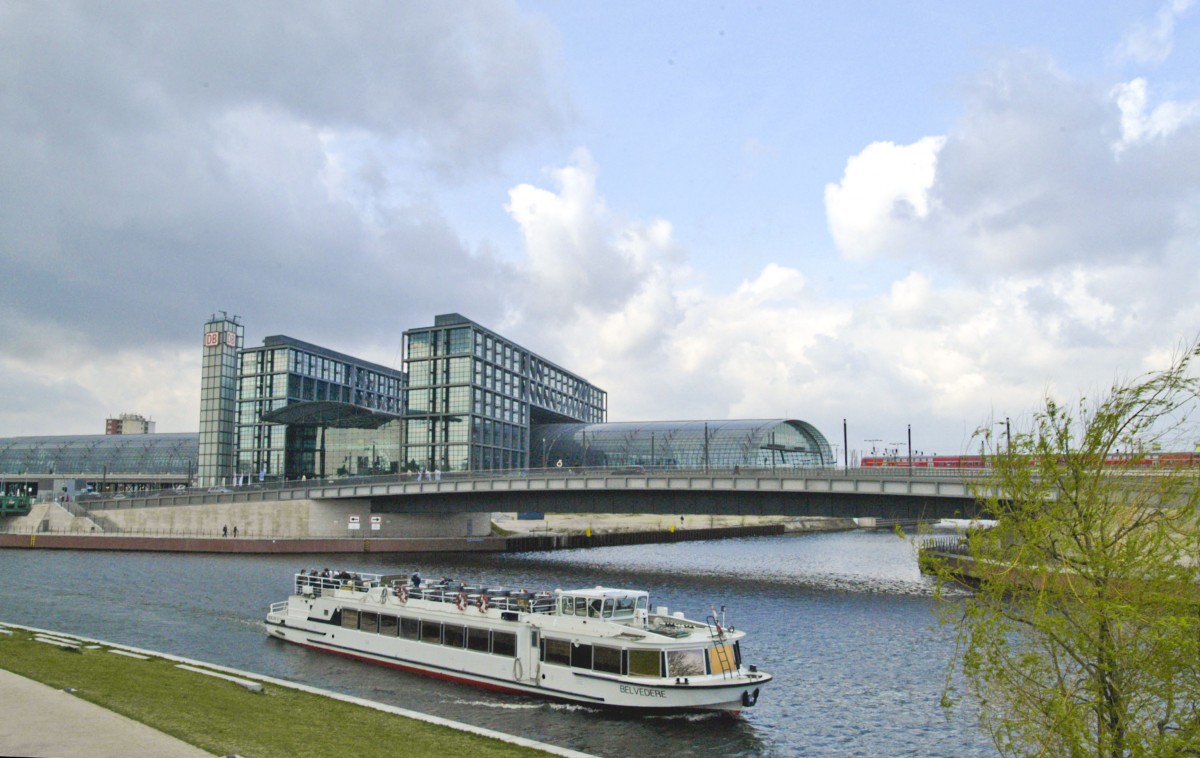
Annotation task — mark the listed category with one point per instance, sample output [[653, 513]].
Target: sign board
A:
[[376, 521], [354, 523]]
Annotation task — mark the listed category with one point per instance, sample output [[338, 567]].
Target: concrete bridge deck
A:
[[883, 493]]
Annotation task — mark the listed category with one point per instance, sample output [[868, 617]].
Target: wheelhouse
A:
[[604, 603]]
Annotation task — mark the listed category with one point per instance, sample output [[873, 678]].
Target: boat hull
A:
[[522, 674]]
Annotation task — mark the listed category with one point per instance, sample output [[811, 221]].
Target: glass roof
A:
[[100, 453], [752, 443], [329, 413]]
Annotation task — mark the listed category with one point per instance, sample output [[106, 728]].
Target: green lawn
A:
[[224, 718]]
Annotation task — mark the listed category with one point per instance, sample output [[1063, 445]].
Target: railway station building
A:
[[467, 399]]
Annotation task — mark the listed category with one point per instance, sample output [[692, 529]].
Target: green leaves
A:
[[1083, 637]]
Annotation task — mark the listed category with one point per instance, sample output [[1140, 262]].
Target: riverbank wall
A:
[[512, 543]]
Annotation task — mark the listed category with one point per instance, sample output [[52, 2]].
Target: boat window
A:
[[431, 631], [685, 663], [410, 629], [643, 602], [737, 654], [720, 659], [387, 625], [568, 606], [594, 606], [368, 622], [645, 663], [504, 643], [607, 659], [349, 618], [581, 656], [477, 639], [624, 607], [580, 606], [453, 635], [556, 651]]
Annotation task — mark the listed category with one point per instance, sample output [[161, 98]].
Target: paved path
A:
[[38, 720]]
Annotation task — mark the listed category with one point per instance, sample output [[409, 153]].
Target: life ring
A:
[[460, 602], [383, 595], [403, 594], [482, 603]]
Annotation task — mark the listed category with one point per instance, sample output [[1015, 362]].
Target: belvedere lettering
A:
[[642, 691]]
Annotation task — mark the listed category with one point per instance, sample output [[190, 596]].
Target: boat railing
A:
[[318, 584], [522, 601]]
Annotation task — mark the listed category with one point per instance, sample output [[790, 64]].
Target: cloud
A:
[[1057, 226], [279, 160], [1028, 180], [1151, 43], [884, 187], [1138, 126]]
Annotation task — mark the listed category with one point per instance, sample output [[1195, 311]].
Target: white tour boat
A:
[[600, 646]]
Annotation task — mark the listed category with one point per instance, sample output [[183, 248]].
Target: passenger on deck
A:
[[416, 579]]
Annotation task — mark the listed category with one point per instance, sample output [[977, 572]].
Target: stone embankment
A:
[[54, 528]]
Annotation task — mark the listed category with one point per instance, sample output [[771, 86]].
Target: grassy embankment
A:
[[224, 718]]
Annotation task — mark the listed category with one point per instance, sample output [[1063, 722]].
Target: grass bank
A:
[[224, 718]]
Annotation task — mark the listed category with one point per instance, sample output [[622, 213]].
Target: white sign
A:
[[354, 523], [376, 521], [354, 519]]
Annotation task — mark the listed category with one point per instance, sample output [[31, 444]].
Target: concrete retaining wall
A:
[[292, 519], [257, 546], [55, 517]]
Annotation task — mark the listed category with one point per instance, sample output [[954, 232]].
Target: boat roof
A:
[[603, 592]]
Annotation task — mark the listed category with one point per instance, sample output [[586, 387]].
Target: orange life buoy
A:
[[461, 601], [482, 603]]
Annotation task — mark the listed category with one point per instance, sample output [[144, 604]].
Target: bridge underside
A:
[[686, 502]]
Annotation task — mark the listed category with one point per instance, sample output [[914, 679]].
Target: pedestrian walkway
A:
[[37, 720]]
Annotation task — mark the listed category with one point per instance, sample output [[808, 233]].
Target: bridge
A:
[[886, 493]]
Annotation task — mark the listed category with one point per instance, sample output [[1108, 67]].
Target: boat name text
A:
[[642, 691]]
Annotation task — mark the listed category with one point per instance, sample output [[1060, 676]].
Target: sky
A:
[[913, 215]]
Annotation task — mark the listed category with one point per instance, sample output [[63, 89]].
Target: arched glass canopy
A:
[[92, 454], [754, 443]]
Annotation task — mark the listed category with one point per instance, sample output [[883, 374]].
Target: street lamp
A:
[[910, 449], [845, 448]]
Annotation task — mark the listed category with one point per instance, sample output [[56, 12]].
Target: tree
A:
[[1082, 637]]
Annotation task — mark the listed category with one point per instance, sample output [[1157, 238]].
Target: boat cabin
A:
[[605, 603]]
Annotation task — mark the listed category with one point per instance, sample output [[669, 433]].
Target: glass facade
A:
[[105, 462], [218, 400], [284, 372], [769, 443], [473, 396]]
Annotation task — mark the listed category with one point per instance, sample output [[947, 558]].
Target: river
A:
[[844, 621]]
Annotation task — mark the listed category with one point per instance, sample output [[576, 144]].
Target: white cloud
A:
[[1152, 43], [883, 189], [1139, 126]]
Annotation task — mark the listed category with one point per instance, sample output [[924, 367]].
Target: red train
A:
[[1148, 460]]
